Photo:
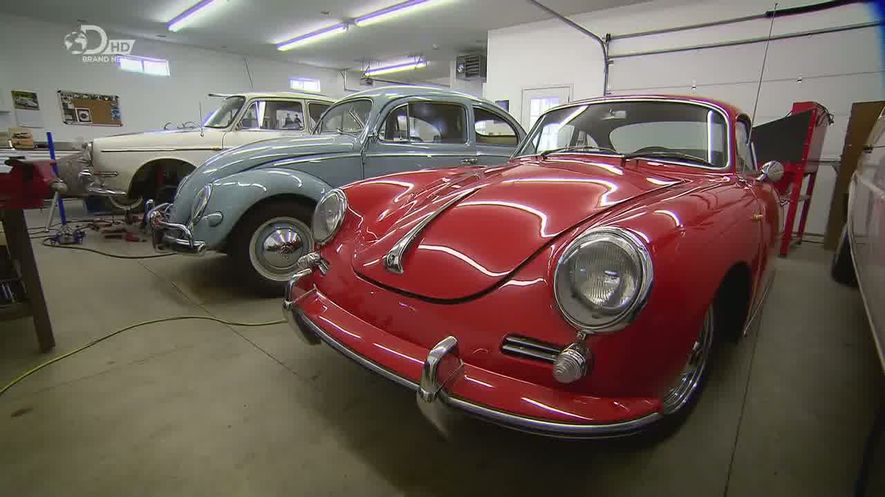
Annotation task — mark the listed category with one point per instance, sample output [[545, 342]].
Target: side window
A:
[[316, 109], [250, 117], [437, 123], [745, 163], [492, 129], [396, 125], [273, 114], [425, 122]]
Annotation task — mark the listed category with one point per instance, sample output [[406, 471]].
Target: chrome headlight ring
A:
[[201, 201], [603, 279], [328, 215]]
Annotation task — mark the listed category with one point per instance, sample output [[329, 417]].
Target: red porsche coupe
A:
[[575, 291]]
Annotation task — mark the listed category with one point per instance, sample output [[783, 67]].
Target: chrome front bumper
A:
[[170, 236], [441, 367], [91, 180]]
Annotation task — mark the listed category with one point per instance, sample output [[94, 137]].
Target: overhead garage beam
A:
[[747, 41], [602, 43]]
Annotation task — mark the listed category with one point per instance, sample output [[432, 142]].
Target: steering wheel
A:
[[645, 150]]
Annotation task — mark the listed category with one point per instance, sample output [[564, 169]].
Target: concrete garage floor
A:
[[200, 408]]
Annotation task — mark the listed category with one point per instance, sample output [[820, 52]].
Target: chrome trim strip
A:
[[362, 361], [507, 420], [729, 131], [161, 149], [756, 311], [550, 428], [393, 260], [857, 178], [420, 154]]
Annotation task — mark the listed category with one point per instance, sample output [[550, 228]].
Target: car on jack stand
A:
[[127, 169]]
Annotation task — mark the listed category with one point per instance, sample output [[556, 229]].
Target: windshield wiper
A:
[[574, 148], [670, 155]]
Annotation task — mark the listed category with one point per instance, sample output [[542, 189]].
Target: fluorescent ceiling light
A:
[[312, 37], [389, 12], [186, 17], [418, 64]]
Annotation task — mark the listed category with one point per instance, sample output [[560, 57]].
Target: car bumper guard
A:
[[170, 236]]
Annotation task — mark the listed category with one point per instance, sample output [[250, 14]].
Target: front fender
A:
[[233, 195]]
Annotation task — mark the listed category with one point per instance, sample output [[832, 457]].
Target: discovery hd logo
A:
[[92, 44]]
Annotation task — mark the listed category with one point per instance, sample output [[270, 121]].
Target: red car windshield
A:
[[680, 131]]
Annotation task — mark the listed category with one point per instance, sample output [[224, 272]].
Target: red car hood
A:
[[495, 220]]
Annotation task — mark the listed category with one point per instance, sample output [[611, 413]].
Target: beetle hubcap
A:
[[276, 246], [689, 379]]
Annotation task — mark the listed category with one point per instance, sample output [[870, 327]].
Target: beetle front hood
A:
[[258, 154], [483, 225]]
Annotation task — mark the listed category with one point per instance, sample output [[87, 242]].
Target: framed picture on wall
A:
[[90, 109]]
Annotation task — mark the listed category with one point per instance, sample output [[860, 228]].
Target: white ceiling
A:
[[251, 27]]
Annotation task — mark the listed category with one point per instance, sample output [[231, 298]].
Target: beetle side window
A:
[[425, 122], [437, 123], [745, 162], [492, 129]]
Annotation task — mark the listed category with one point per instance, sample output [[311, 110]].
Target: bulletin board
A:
[[90, 109]]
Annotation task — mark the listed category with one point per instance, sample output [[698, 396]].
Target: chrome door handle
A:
[[469, 160]]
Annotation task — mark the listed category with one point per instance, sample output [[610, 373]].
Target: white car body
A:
[[127, 167]]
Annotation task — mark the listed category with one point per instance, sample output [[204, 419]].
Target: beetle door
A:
[[421, 135]]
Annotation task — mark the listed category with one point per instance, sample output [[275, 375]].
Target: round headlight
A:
[[329, 215], [201, 201], [603, 279]]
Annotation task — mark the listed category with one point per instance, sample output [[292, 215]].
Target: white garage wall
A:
[[834, 69], [32, 57]]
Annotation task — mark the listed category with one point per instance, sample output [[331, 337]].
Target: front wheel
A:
[[268, 241]]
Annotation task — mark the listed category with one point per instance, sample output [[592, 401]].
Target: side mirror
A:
[[772, 171]]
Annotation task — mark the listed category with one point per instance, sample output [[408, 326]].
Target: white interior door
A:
[[537, 100]]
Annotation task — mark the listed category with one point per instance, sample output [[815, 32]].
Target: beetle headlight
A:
[[201, 201], [602, 279], [329, 215]]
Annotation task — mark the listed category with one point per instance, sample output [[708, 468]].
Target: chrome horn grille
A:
[[530, 348]]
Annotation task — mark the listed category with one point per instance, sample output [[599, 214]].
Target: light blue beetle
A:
[[255, 202]]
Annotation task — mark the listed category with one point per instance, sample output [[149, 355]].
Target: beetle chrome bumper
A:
[[439, 381], [171, 236]]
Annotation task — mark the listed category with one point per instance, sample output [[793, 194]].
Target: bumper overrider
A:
[[170, 236], [92, 180], [445, 384]]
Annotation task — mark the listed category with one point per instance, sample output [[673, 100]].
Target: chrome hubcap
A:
[[689, 379], [276, 246]]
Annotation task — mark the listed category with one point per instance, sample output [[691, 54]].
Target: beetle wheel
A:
[[691, 378]]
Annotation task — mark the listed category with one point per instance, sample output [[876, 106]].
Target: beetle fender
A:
[[233, 195]]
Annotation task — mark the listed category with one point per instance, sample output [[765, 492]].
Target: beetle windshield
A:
[[346, 118], [684, 132], [225, 114]]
